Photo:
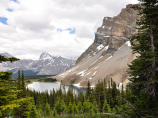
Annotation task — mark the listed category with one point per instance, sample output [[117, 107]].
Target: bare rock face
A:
[[110, 53], [114, 31]]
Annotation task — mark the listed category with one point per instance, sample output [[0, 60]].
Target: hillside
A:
[[109, 55]]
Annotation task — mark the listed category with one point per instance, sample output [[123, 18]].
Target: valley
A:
[[115, 77]]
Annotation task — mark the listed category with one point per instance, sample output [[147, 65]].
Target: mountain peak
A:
[[45, 56], [6, 55]]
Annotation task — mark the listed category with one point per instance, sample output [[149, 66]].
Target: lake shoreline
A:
[[43, 86]]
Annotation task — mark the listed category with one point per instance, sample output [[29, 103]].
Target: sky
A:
[[59, 27]]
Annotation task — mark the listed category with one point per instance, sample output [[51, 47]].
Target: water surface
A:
[[43, 86]]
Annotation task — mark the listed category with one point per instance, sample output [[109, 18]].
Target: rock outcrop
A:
[[110, 53]]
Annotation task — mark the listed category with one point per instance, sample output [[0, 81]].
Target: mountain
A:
[[110, 53], [74, 58], [6, 55], [46, 65]]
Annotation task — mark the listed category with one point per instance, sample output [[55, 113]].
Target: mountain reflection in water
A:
[[43, 86]]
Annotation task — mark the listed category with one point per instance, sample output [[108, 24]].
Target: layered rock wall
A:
[[114, 31]]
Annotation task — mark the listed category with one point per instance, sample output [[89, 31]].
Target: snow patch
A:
[[94, 74], [92, 86], [78, 85], [120, 86], [128, 43], [88, 73], [106, 48], [106, 36], [96, 67], [94, 53], [90, 78], [82, 73], [103, 26], [100, 47], [100, 57]]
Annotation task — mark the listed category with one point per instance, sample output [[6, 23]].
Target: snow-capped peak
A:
[[45, 56]]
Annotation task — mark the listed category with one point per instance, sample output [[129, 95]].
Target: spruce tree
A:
[[8, 91], [33, 112], [70, 109], [144, 72], [88, 92], [114, 92], [105, 87], [79, 107], [106, 107], [19, 85], [23, 88], [47, 109]]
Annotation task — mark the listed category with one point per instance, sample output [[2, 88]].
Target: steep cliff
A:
[[110, 53]]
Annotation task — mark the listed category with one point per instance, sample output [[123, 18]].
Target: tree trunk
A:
[[153, 60]]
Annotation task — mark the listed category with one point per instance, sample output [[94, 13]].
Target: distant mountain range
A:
[[46, 65]]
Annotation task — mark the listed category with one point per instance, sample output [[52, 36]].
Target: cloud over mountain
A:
[[32, 25]]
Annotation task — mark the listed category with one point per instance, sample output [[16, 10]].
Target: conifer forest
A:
[[139, 99]]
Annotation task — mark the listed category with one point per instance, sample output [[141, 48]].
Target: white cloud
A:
[[32, 25]]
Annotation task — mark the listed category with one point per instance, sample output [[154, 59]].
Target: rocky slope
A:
[[46, 65], [109, 55]]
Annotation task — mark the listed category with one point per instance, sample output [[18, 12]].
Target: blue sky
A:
[[9, 10], [71, 30], [3, 20], [61, 27], [14, 0]]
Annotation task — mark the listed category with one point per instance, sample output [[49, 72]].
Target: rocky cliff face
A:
[[108, 56], [114, 32]]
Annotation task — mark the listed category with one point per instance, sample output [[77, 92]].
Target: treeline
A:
[[105, 100]]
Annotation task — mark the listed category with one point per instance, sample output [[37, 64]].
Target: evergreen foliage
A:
[[88, 92], [56, 103], [33, 112], [106, 107], [8, 91], [144, 72]]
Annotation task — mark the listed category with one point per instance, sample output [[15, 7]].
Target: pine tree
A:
[[105, 87], [144, 73], [19, 84], [79, 107], [75, 108], [47, 109], [114, 92], [8, 91], [33, 112], [23, 88], [106, 107], [70, 109], [88, 92], [86, 106], [95, 106]]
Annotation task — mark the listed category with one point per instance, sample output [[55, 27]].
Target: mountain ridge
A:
[[110, 53], [46, 65]]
